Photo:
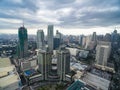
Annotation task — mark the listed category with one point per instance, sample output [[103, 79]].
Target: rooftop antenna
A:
[[23, 23]]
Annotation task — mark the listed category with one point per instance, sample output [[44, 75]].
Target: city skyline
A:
[[69, 16]]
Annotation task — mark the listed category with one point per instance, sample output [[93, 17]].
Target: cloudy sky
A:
[[68, 16]]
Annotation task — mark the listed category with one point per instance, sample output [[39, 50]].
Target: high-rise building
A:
[[107, 37], [56, 43], [63, 63], [102, 53], [59, 36], [84, 41], [50, 37], [81, 39], [88, 40], [40, 39], [94, 36], [44, 62], [115, 39], [23, 42]]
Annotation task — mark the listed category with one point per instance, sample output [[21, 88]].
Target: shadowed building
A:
[[56, 43]]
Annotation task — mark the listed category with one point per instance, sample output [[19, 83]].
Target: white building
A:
[[102, 53], [88, 40], [75, 51], [9, 78], [40, 39], [50, 37]]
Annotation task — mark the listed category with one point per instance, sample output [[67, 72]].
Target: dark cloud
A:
[[66, 13]]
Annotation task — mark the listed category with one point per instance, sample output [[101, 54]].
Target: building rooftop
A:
[[6, 70], [8, 74], [77, 85], [6, 81], [77, 66], [4, 62], [101, 73]]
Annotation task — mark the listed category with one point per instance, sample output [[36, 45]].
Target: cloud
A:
[[65, 13], [10, 20]]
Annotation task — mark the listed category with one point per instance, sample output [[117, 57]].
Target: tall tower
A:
[[63, 63], [40, 39], [23, 42], [102, 52], [44, 62], [50, 37]]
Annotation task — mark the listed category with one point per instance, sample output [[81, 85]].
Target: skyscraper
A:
[[56, 43], [63, 63], [115, 39], [23, 42], [40, 39], [44, 62], [94, 37], [50, 37], [81, 39], [102, 53]]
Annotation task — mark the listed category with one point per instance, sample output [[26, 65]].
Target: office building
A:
[[115, 39], [102, 53], [59, 36], [81, 39], [40, 39], [50, 37], [23, 42], [56, 43], [63, 63], [44, 62]]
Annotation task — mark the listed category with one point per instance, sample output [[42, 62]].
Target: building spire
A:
[[23, 23]]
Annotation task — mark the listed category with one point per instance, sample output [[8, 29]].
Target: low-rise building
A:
[[98, 79], [9, 78], [29, 68]]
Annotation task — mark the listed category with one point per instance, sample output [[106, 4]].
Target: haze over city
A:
[[69, 16]]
